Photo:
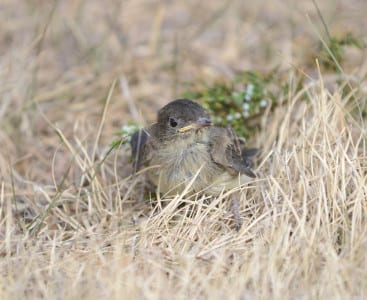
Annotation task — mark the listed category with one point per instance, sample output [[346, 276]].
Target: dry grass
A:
[[73, 72]]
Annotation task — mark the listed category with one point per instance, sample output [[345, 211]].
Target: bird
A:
[[184, 151]]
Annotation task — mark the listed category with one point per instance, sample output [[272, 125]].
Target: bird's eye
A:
[[172, 122]]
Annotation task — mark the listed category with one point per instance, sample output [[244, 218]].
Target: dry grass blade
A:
[[76, 224]]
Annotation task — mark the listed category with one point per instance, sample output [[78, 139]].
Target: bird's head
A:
[[181, 118]]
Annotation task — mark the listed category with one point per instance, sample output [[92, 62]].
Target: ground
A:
[[74, 225]]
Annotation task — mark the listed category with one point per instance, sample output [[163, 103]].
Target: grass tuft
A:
[[76, 224]]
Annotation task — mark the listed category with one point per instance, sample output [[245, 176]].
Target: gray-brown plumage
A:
[[183, 149]]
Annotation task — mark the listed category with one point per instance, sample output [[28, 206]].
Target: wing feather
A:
[[138, 144], [226, 151]]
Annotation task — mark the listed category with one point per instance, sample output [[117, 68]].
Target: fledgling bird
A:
[[183, 149]]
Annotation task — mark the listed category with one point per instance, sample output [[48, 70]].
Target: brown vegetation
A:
[[73, 226]]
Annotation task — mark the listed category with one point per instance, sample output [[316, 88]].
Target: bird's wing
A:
[[143, 146], [247, 154], [138, 144], [226, 151]]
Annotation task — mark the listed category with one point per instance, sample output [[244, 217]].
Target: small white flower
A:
[[246, 106], [237, 115], [263, 103], [129, 129], [230, 118], [245, 114], [250, 89]]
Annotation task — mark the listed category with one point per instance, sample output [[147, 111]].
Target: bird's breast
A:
[[181, 162]]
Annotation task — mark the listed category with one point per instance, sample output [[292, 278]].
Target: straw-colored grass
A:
[[76, 226]]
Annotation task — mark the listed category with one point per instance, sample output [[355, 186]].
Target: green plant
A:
[[123, 135], [333, 54], [235, 102]]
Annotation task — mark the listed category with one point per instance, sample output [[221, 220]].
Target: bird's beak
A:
[[200, 123]]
